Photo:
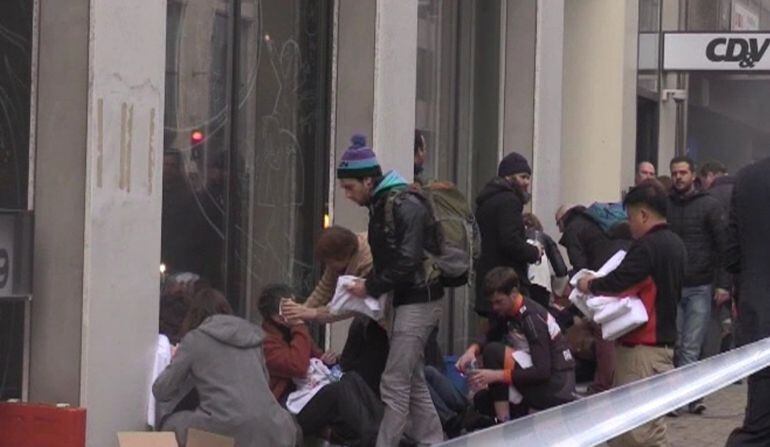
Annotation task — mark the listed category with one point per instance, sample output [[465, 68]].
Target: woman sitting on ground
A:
[[348, 406], [221, 357]]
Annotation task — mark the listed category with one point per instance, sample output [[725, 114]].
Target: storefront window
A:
[[246, 152], [15, 90]]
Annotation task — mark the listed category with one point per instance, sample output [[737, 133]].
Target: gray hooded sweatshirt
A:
[[222, 359]]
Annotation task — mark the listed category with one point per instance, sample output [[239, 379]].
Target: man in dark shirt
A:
[[519, 324], [653, 270]]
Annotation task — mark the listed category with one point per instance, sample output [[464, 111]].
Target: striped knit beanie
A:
[[359, 160]]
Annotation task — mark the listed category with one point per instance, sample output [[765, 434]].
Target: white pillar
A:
[[97, 233], [599, 120]]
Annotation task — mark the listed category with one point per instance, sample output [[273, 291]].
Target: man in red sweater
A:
[[348, 407]]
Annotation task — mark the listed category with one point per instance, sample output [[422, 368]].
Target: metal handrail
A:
[[596, 419]]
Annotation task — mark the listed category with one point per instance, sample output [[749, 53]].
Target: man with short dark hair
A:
[[401, 230], [653, 270], [519, 324], [699, 220], [644, 171]]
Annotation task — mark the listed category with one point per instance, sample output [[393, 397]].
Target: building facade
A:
[[202, 136]]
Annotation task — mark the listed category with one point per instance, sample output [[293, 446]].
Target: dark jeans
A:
[[449, 401], [366, 351], [348, 407], [756, 424]]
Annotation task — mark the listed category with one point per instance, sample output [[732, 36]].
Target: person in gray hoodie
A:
[[220, 356]]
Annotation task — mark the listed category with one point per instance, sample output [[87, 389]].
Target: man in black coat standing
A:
[[499, 214], [748, 257]]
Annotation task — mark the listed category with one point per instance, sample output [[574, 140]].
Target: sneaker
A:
[[697, 407]]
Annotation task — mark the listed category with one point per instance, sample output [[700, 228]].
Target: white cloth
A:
[[617, 316], [318, 376], [162, 360], [343, 301], [540, 273]]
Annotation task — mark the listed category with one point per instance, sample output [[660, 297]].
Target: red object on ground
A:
[[38, 425]]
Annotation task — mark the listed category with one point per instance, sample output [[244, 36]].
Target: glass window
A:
[[15, 84], [246, 166]]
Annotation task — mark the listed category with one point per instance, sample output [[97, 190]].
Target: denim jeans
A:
[[692, 321], [449, 401]]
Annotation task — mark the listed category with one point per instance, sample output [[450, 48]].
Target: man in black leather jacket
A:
[[401, 230]]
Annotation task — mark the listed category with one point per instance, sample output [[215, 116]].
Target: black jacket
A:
[[588, 246], [722, 190], [399, 253], [653, 270], [547, 345], [699, 220], [499, 209], [748, 253]]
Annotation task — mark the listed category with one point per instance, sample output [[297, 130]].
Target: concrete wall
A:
[[599, 127], [98, 200]]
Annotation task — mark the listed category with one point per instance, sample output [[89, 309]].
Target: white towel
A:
[[617, 316], [162, 360], [343, 301]]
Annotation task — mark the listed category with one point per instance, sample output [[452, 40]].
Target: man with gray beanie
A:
[[499, 215], [401, 230]]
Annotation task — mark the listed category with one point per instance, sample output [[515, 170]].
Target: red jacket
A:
[[287, 353]]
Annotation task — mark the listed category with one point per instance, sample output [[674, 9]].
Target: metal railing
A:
[[596, 419]]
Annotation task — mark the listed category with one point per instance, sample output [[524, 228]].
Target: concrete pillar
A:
[[599, 119], [98, 209], [547, 139], [373, 91]]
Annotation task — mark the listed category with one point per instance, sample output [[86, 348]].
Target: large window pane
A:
[[245, 193], [15, 82]]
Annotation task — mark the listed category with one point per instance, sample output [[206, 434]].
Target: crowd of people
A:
[[692, 262]]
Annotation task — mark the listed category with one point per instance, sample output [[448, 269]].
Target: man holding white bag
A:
[[653, 270]]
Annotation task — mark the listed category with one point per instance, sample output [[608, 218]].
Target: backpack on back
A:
[[457, 233], [607, 215]]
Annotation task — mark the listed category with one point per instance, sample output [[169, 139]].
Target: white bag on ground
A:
[[343, 301], [318, 376]]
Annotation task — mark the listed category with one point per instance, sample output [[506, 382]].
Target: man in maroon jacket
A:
[[653, 270]]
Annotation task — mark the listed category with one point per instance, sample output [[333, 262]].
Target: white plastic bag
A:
[[343, 301]]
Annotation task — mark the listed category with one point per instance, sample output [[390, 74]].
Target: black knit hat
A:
[[513, 163]]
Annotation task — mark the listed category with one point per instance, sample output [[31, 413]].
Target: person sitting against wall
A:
[[546, 379], [343, 252], [220, 356], [348, 406]]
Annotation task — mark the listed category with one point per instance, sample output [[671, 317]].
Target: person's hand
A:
[[358, 288], [295, 311], [584, 283], [721, 296], [329, 358], [482, 378], [466, 359]]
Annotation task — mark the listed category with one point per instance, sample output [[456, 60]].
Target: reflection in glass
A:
[[245, 194]]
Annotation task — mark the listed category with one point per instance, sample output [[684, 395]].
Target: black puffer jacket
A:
[[399, 254], [699, 220], [588, 246], [503, 241], [748, 255]]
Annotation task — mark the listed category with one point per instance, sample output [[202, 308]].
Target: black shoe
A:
[[474, 420], [697, 407], [675, 414]]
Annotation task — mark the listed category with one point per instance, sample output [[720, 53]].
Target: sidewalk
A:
[[724, 413]]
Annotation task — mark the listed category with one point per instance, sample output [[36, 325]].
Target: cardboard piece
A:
[[200, 438], [147, 439]]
